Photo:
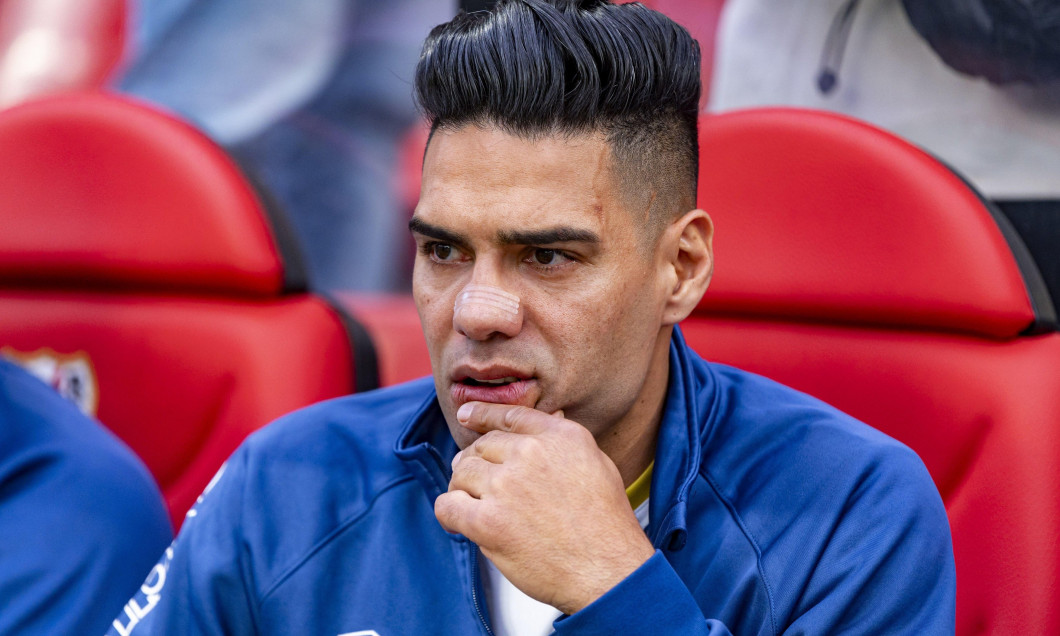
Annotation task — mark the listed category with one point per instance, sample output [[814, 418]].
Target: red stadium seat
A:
[[143, 275], [394, 327], [857, 268]]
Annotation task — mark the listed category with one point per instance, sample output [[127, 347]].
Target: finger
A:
[[472, 475], [485, 416], [460, 513], [495, 446], [455, 510]]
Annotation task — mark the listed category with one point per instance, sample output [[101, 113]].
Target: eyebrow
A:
[[419, 226], [547, 236]]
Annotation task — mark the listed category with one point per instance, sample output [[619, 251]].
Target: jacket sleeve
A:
[[199, 587], [883, 566], [79, 527], [651, 600]]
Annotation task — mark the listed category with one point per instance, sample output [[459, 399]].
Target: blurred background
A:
[[313, 99]]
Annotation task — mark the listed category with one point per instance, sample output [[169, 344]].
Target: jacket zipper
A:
[[476, 584]]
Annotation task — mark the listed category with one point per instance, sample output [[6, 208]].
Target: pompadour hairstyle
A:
[[568, 67]]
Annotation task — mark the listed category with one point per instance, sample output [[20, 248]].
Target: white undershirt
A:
[[516, 614]]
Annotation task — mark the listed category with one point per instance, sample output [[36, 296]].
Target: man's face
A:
[[542, 221]]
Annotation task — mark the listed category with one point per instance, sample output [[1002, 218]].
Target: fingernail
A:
[[456, 460], [464, 412]]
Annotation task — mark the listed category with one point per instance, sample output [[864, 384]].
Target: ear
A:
[[690, 250]]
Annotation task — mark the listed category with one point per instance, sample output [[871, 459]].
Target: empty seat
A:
[[855, 267], [141, 269]]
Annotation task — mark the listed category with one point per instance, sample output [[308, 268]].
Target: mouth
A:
[[497, 385], [496, 382]]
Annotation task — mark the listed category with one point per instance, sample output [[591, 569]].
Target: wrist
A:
[[619, 566]]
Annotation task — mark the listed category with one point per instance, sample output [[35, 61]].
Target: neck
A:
[[630, 443]]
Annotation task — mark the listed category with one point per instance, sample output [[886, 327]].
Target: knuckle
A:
[[484, 412], [488, 439], [531, 447], [512, 419], [518, 450], [443, 508], [499, 482], [464, 471]]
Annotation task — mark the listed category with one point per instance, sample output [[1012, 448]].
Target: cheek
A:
[[595, 335], [436, 316], [616, 331]]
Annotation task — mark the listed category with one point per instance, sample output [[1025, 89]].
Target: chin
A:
[[462, 436]]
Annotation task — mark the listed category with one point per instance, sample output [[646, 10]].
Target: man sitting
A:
[[572, 465]]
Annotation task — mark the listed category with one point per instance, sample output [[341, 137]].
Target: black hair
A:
[[570, 67]]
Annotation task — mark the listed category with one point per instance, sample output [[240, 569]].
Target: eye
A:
[[544, 257], [441, 252], [548, 260]]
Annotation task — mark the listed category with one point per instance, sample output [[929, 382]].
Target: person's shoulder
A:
[[47, 437], [825, 498], [60, 469], [296, 483], [345, 443], [34, 414], [771, 439], [772, 445]]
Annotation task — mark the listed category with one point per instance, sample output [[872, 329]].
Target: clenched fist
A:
[[544, 504]]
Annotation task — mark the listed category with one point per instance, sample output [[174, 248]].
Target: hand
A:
[[544, 504]]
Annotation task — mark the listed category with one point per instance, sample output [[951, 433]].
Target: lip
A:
[[487, 373], [512, 393]]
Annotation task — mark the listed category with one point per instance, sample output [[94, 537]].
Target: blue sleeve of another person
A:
[[81, 518]]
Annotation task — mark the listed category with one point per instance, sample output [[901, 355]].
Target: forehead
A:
[[484, 176]]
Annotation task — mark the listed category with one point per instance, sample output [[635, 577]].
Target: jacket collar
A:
[[427, 448], [688, 415]]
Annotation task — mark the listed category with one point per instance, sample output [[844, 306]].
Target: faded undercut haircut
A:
[[536, 68]]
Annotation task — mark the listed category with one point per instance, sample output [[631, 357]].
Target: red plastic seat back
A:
[[855, 267], [140, 270], [397, 335]]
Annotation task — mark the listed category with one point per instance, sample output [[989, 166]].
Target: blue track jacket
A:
[[771, 512], [80, 516]]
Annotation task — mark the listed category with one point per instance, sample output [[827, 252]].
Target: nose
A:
[[480, 311]]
